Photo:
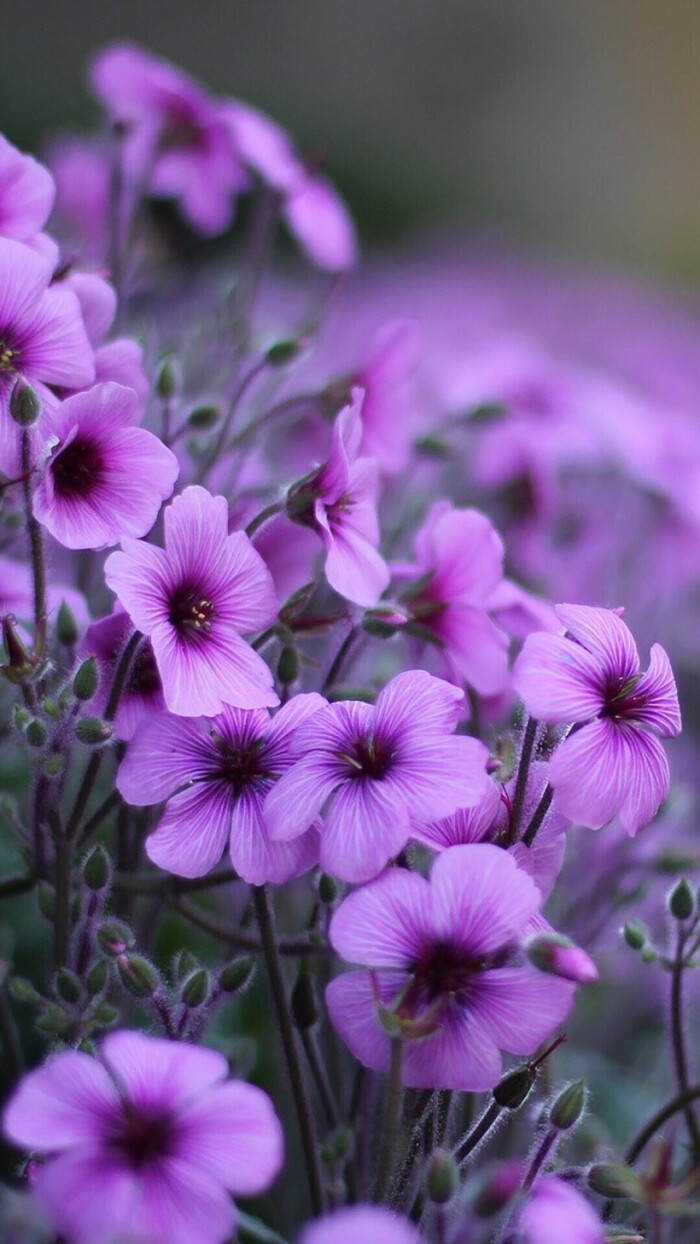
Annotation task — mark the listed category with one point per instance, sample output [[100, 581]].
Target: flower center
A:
[[620, 701], [76, 469], [191, 613], [241, 767], [445, 970], [143, 1140], [7, 357], [370, 757], [144, 678]]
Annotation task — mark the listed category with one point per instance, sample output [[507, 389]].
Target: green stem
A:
[[481, 1128], [394, 1105], [36, 544], [540, 1157], [680, 1056], [339, 660], [261, 518], [266, 923]]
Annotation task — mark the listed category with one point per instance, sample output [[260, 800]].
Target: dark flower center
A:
[[444, 969], [7, 357], [142, 1139], [77, 468], [191, 613], [369, 757], [243, 766], [144, 678], [620, 701]]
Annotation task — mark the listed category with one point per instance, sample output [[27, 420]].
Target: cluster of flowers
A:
[[423, 808]]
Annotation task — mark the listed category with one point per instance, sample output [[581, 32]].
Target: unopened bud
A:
[[614, 1180], [115, 937], [168, 380], [384, 621], [53, 1020], [96, 978], [649, 955], [634, 934], [328, 889], [681, 900], [203, 417], [35, 733], [86, 679], [66, 626], [195, 990], [185, 964], [514, 1088], [19, 662], [236, 974], [500, 1185], [54, 765], [559, 956], [93, 730], [303, 1000], [46, 898], [105, 1016], [25, 406], [22, 990], [67, 985], [568, 1106], [52, 708], [288, 666], [96, 869], [282, 352], [138, 976], [442, 1177]]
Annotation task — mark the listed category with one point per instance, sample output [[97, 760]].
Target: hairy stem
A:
[[680, 1057], [394, 1106], [529, 737]]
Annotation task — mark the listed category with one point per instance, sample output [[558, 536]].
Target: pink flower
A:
[[555, 1212], [458, 568], [443, 956], [194, 600], [342, 510], [104, 478], [377, 769], [215, 775], [26, 194], [614, 765], [371, 1223], [145, 1142]]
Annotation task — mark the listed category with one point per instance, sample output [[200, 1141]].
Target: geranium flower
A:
[[145, 1142], [215, 775], [104, 478], [194, 600], [372, 1223], [443, 956], [142, 694], [615, 765], [378, 769], [554, 1211], [26, 194]]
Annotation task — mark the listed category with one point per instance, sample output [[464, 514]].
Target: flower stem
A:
[[540, 1157], [680, 1057], [529, 737], [481, 1128], [679, 1102], [36, 544], [266, 923], [538, 816], [394, 1106]]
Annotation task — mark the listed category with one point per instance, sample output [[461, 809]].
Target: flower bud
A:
[[185, 964], [559, 956], [203, 417], [195, 990], [614, 1180], [568, 1106], [22, 990], [46, 898], [20, 664], [86, 679], [635, 934], [52, 708], [282, 352], [66, 626], [96, 869], [92, 731], [53, 1020], [115, 937], [53, 765], [442, 1177], [96, 978], [20, 716], [67, 985], [138, 976], [681, 900], [328, 889], [35, 733], [500, 1185], [288, 665], [105, 1016], [514, 1088], [25, 406], [384, 621], [168, 380], [303, 1000], [236, 974]]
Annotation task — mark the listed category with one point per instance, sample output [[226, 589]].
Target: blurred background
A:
[[569, 125]]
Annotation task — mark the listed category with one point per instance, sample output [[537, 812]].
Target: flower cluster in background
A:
[[321, 598]]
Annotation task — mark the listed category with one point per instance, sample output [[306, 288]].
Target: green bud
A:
[[614, 1180], [35, 733], [514, 1088], [54, 765], [86, 679], [649, 955], [46, 898], [282, 352], [115, 937], [138, 975], [635, 934], [288, 666], [66, 626], [168, 380], [195, 990], [442, 1178], [568, 1106], [96, 978], [25, 406], [23, 991], [105, 1016], [328, 889], [20, 716], [681, 900], [92, 730], [53, 1020], [303, 1000], [65, 699], [236, 974], [185, 964], [52, 708], [67, 985], [203, 417], [96, 869]]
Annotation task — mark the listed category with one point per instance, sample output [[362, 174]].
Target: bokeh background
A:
[[569, 125]]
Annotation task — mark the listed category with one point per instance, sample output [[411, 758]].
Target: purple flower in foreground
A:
[[144, 1143], [104, 478], [372, 1223], [342, 510], [376, 769], [444, 955], [613, 765], [194, 600], [555, 1212], [26, 194], [215, 775], [142, 694]]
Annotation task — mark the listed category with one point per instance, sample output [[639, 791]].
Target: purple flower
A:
[[42, 337], [142, 695], [215, 775], [343, 512], [459, 565], [377, 769], [372, 1223], [26, 194], [145, 1142], [554, 1212], [591, 676], [83, 172], [443, 955], [194, 600], [389, 411], [104, 478]]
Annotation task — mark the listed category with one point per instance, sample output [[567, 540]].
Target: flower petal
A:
[[558, 680], [602, 633], [69, 1101], [193, 832], [166, 752], [384, 925], [658, 687], [610, 768], [156, 1074], [232, 1132], [481, 899], [366, 824], [520, 1006]]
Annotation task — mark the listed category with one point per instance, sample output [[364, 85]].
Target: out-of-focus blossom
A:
[[440, 957], [145, 1142], [195, 599], [142, 694], [372, 1223], [377, 769], [17, 594], [26, 194], [615, 764], [215, 775], [104, 479], [390, 416], [554, 1211], [83, 173]]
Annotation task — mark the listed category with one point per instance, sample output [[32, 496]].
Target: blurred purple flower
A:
[[443, 957], [390, 418], [145, 1142], [194, 600], [142, 695], [372, 1223], [555, 1212], [27, 193], [591, 676]]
